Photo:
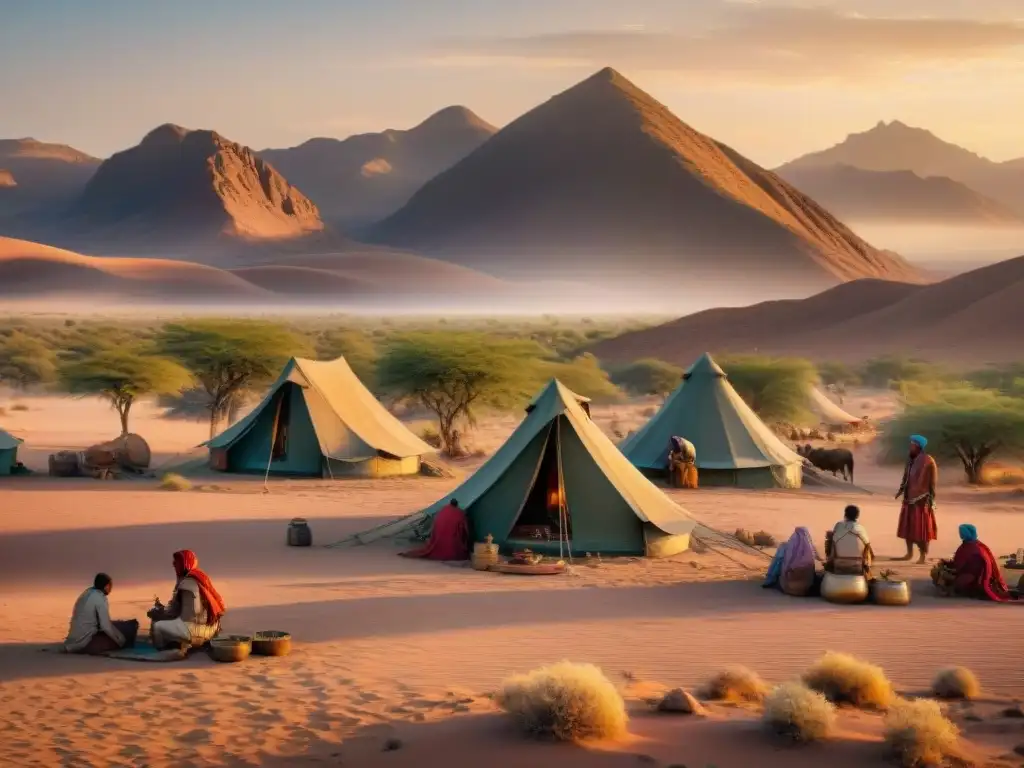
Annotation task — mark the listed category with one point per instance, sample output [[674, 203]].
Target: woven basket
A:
[[231, 648], [271, 643]]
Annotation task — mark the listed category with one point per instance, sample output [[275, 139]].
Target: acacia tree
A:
[[122, 376], [583, 375], [453, 374], [26, 361], [777, 389], [229, 356], [648, 376], [974, 434]]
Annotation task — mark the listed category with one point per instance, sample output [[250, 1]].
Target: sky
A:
[[773, 78]]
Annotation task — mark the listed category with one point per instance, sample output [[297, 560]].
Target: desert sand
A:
[[400, 653]]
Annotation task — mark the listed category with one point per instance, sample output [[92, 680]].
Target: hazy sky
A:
[[773, 78]]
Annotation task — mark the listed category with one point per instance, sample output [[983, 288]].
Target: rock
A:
[[680, 702], [1019, 749], [392, 745], [1015, 711]]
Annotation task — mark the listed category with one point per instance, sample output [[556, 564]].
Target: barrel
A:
[[299, 534]]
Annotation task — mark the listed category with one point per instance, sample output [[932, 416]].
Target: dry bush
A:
[[737, 684], [956, 683], [795, 711], [175, 482], [844, 679], [566, 702], [764, 539], [744, 536], [19, 407], [919, 734], [648, 412]]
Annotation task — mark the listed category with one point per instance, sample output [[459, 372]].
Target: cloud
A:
[[754, 41]]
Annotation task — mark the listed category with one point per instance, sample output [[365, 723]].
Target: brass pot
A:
[[891, 592], [844, 588]]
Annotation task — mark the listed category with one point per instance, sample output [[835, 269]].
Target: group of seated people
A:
[[190, 619], [972, 572]]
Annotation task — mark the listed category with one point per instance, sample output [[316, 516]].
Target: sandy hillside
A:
[[604, 170], [388, 648], [968, 319], [859, 195], [30, 269], [363, 178]]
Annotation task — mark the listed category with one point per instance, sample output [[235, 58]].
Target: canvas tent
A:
[[559, 474], [829, 412], [734, 447], [8, 452], [318, 420]]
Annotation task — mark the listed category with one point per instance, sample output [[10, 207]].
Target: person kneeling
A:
[[193, 616], [847, 547], [91, 629], [973, 571]]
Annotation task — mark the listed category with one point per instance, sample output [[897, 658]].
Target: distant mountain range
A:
[[601, 184], [895, 146], [361, 179], [971, 318]]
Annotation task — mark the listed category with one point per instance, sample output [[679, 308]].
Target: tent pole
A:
[[563, 511], [273, 441]]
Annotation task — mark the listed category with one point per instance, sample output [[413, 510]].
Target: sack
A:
[[798, 582]]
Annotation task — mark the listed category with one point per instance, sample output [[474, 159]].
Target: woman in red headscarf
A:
[[195, 610]]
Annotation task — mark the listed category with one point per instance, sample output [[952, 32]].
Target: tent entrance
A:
[[544, 515]]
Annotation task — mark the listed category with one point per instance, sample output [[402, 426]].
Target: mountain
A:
[[604, 182], [191, 188], [972, 318], [895, 146], [363, 178], [855, 194], [47, 177]]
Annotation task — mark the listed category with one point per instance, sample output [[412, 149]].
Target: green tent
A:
[[734, 447], [558, 452], [318, 420], [8, 452]]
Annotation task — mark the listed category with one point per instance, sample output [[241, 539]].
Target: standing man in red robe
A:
[[917, 515]]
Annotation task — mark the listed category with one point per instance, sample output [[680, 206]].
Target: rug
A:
[[143, 651]]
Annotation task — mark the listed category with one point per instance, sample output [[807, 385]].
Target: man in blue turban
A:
[[917, 515]]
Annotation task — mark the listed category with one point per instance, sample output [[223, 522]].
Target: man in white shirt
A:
[[848, 548], [91, 629]]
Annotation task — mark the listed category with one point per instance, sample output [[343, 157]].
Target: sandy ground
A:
[[388, 648]]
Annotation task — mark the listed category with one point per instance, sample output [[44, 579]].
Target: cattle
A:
[[834, 460]]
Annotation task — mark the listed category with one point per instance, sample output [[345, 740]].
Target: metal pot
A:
[[891, 592], [844, 588]]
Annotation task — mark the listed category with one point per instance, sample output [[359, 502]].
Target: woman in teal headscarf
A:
[[973, 571]]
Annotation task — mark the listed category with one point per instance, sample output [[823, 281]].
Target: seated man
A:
[[193, 616], [682, 468], [91, 629], [449, 536], [847, 547], [973, 571]]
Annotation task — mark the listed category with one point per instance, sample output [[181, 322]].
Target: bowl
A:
[[844, 588], [271, 643], [231, 648]]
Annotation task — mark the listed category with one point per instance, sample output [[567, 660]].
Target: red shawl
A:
[[187, 564], [977, 572], [449, 537]]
